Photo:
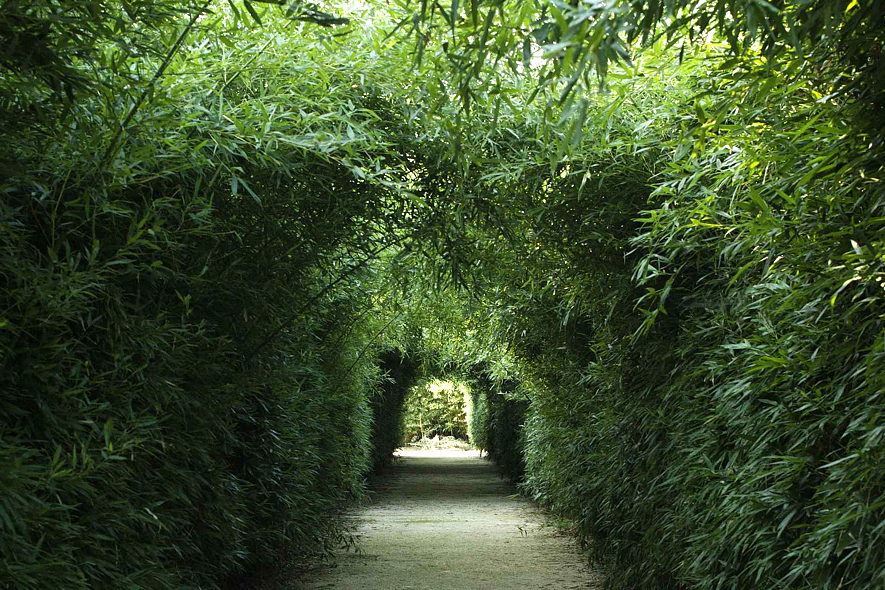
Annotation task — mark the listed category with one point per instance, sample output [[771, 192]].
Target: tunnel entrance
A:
[[648, 234], [437, 408]]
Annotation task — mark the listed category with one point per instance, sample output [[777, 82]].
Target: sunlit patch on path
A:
[[444, 519]]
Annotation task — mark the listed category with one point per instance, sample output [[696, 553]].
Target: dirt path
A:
[[446, 521]]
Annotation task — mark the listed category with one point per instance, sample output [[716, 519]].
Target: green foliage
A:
[[689, 300], [436, 408], [504, 424], [771, 379], [388, 403], [47, 44], [496, 420], [187, 365], [576, 45], [223, 253], [477, 412]]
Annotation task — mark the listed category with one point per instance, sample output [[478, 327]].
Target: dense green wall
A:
[[500, 423], [401, 373], [668, 291], [701, 367], [141, 446], [187, 372]]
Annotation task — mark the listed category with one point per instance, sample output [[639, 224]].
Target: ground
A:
[[446, 520]]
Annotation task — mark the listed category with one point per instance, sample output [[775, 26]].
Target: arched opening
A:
[[646, 236], [437, 408]]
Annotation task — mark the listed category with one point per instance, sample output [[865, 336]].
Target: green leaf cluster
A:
[[191, 312], [436, 408], [683, 310], [224, 266]]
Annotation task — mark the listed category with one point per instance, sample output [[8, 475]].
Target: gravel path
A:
[[445, 520]]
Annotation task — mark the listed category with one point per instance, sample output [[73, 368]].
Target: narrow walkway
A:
[[445, 520]]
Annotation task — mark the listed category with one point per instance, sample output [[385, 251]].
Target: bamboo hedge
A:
[[648, 234], [188, 367], [686, 298]]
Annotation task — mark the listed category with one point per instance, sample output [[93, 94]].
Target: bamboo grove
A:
[[648, 233]]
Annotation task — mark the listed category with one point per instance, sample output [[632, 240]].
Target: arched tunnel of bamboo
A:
[[486, 294]]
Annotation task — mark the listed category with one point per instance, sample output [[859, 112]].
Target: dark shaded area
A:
[[447, 520], [401, 372], [499, 424]]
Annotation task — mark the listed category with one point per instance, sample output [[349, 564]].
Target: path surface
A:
[[446, 521]]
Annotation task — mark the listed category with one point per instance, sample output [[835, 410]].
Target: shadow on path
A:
[[445, 520]]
